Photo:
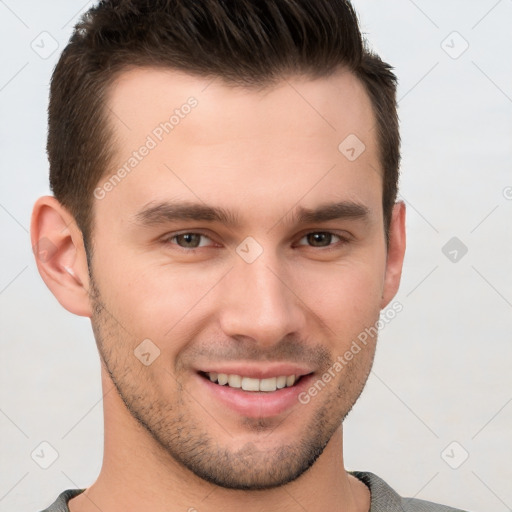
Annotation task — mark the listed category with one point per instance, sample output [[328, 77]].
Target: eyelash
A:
[[168, 240]]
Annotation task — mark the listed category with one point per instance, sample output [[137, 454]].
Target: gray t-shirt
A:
[[383, 498]]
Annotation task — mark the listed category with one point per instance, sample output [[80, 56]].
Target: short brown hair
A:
[[244, 42]]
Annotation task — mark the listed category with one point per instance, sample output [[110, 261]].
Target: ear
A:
[[396, 252], [59, 250]]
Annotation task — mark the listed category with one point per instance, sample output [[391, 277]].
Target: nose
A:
[[258, 301]]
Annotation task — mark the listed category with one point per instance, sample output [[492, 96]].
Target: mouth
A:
[[245, 383], [255, 392]]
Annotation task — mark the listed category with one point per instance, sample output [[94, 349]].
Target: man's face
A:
[[272, 293]]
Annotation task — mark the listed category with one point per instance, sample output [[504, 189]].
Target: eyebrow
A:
[[331, 211], [166, 212]]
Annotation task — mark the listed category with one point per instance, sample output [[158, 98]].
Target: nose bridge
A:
[[258, 302]]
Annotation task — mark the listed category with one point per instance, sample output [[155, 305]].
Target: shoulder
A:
[[61, 503], [385, 499]]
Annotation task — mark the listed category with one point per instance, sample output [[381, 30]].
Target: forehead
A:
[[337, 103], [177, 135]]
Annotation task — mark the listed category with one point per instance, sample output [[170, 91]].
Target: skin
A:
[[260, 154]]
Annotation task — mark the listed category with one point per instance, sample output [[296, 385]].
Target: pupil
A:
[[190, 239], [316, 239]]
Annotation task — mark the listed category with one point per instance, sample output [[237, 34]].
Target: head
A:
[[225, 179]]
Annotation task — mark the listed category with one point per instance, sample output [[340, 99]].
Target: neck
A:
[[137, 474]]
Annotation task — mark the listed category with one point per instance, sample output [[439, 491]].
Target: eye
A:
[[188, 240], [321, 239]]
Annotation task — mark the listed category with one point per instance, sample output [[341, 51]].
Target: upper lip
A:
[[260, 371]]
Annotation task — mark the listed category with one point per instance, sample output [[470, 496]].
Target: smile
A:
[[251, 384]]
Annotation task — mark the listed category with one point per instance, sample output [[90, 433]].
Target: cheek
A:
[[346, 296], [157, 301]]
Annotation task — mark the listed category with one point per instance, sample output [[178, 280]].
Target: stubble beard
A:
[[189, 442]]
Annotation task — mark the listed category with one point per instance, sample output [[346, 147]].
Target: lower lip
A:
[[254, 404]]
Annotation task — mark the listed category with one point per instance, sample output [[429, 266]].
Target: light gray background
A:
[[442, 371]]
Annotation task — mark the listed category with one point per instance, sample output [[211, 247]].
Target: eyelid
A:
[[343, 238], [166, 239]]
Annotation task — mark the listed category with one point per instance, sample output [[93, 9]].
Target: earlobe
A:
[[396, 252], [60, 255]]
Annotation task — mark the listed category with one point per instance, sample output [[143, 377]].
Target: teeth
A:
[[235, 381], [268, 384], [281, 382], [250, 384], [290, 381]]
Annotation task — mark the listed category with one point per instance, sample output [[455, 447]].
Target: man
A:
[[225, 179]]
